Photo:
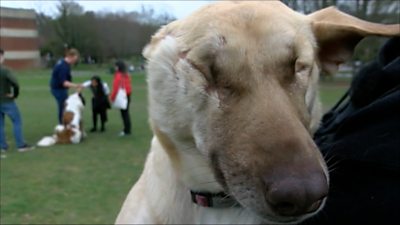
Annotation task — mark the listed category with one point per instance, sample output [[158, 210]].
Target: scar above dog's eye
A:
[[222, 40], [302, 68], [183, 54]]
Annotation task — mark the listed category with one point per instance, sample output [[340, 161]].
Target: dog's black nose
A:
[[294, 196]]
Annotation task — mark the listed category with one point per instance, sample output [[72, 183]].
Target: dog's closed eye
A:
[[302, 69]]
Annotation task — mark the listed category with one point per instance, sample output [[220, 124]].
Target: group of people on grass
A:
[[60, 83]]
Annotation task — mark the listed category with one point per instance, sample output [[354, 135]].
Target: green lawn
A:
[[85, 183]]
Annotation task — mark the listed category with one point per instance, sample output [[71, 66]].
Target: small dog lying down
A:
[[70, 132]]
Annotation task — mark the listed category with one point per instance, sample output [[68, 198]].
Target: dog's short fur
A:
[[233, 105], [71, 131]]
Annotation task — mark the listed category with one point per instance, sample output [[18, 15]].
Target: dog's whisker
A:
[[206, 182], [331, 170], [334, 165], [227, 196], [328, 159], [195, 173]]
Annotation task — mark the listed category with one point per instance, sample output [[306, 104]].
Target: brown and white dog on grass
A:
[[71, 131], [233, 106]]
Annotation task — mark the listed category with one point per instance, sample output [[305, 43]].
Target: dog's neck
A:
[[173, 205], [189, 164]]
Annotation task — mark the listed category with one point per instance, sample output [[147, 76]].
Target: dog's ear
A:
[[161, 34], [82, 99], [150, 47], [67, 118], [338, 33]]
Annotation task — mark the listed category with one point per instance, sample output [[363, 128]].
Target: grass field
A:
[[85, 183]]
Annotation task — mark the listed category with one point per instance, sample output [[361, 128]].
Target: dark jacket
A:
[[360, 138], [8, 85], [61, 73], [100, 98]]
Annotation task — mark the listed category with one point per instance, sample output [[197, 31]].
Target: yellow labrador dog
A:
[[233, 106]]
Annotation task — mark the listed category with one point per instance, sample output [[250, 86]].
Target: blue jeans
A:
[[61, 96], [11, 110]]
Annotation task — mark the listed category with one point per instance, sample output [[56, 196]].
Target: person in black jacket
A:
[[100, 103], [360, 139]]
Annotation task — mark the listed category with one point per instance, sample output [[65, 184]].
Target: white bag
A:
[[121, 99]]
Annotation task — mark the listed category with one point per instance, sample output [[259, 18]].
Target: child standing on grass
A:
[[100, 102]]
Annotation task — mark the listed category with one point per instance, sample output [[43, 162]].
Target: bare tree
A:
[[98, 35]]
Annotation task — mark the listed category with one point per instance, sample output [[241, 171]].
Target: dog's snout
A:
[[292, 196]]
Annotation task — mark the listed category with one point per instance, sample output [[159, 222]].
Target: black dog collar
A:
[[214, 200]]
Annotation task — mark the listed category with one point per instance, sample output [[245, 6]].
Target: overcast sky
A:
[[178, 9]]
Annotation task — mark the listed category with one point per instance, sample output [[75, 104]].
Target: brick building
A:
[[19, 38]]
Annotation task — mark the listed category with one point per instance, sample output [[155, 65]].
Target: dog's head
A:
[[63, 134], [233, 97], [67, 134]]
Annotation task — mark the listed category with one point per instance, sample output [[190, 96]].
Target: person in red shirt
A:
[[122, 79]]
